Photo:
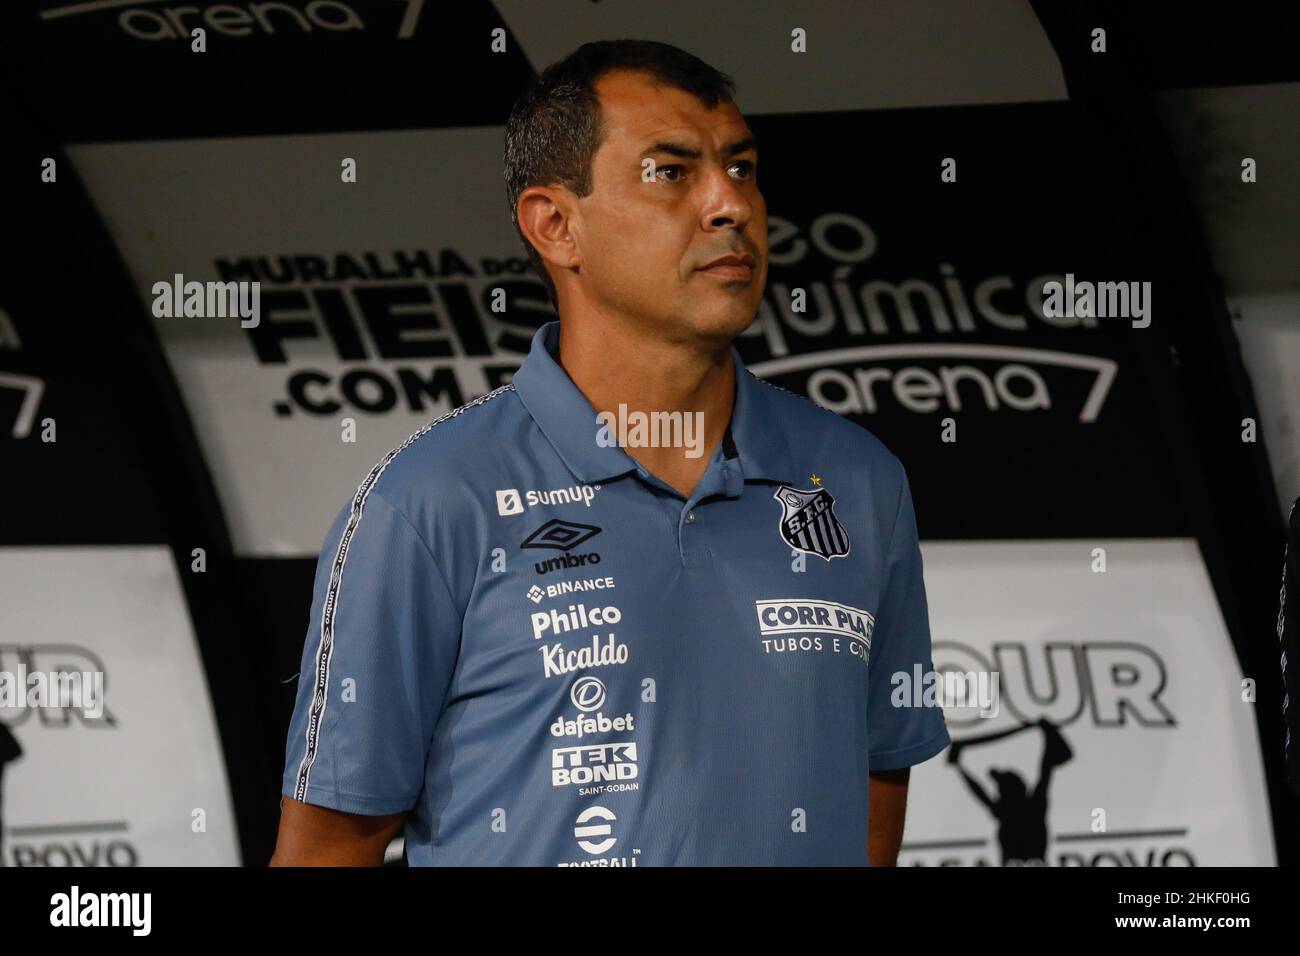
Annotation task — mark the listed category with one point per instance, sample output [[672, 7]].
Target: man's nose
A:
[[726, 204]]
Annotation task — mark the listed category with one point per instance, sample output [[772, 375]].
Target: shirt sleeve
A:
[[900, 644], [380, 650]]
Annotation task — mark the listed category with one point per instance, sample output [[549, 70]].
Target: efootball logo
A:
[[594, 829], [808, 522]]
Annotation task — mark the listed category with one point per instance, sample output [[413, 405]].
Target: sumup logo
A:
[[510, 502]]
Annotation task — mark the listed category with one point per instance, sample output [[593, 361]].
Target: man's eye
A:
[[677, 167], [746, 166]]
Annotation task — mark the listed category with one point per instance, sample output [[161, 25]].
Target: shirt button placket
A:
[[694, 555]]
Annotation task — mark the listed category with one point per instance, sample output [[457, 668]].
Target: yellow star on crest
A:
[[814, 479]]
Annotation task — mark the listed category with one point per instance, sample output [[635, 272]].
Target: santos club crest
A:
[[808, 522]]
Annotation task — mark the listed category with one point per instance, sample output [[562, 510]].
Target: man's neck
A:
[[624, 373]]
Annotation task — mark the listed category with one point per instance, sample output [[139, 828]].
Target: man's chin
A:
[[726, 325], [707, 320]]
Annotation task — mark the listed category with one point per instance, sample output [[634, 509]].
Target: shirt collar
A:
[[755, 436]]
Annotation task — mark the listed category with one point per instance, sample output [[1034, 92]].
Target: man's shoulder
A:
[[805, 422], [443, 454]]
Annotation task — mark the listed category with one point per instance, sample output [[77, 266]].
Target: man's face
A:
[[644, 244]]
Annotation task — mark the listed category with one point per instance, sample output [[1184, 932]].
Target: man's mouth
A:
[[730, 267]]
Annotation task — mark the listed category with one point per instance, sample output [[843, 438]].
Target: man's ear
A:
[[543, 218]]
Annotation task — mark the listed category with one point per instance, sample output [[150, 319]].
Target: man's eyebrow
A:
[[741, 146], [685, 152]]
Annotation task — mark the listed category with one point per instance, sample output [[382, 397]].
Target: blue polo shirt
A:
[[549, 657]]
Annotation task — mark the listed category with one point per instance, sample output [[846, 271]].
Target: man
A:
[[540, 638]]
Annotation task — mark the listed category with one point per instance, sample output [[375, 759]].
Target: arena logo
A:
[[234, 20], [407, 330], [924, 379], [805, 324]]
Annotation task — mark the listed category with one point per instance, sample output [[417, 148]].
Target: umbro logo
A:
[[560, 535]]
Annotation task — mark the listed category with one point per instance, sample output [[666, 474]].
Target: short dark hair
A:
[[555, 126]]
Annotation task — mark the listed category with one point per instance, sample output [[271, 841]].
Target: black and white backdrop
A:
[[168, 481]]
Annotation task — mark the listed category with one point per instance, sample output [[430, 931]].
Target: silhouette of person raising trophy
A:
[[9, 751], [1021, 811]]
